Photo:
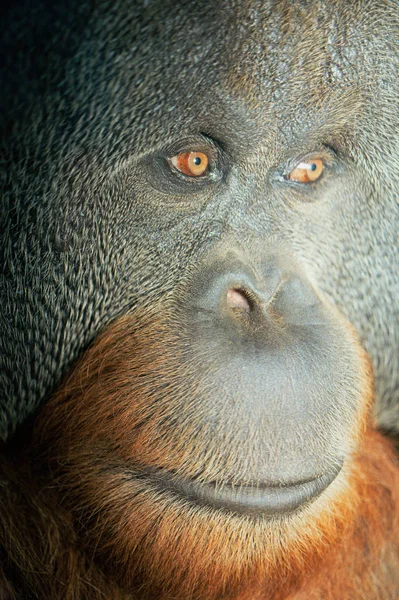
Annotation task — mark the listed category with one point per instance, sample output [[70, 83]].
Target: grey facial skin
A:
[[95, 222], [185, 388]]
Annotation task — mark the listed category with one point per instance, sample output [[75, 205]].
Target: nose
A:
[[270, 294]]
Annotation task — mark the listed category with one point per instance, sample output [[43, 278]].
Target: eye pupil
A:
[[197, 160], [313, 167]]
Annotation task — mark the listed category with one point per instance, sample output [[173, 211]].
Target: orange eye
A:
[[307, 172], [193, 164]]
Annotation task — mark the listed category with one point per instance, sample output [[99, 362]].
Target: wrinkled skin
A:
[[260, 287], [120, 86]]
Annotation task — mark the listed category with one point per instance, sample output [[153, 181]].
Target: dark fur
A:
[[101, 243], [89, 90]]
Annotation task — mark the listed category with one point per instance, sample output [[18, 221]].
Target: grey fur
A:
[[90, 91]]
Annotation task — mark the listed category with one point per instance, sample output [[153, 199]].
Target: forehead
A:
[[259, 53], [296, 65], [261, 41], [169, 67]]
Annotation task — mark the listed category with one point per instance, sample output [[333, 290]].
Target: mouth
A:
[[271, 500]]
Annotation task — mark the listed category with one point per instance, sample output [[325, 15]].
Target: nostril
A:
[[236, 299]]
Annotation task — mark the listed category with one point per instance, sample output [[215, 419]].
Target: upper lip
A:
[[270, 500]]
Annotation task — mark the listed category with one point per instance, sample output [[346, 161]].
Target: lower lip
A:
[[262, 500]]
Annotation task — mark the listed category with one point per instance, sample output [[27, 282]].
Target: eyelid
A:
[[198, 143], [324, 153]]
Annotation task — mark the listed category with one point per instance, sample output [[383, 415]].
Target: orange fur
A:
[[110, 533]]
